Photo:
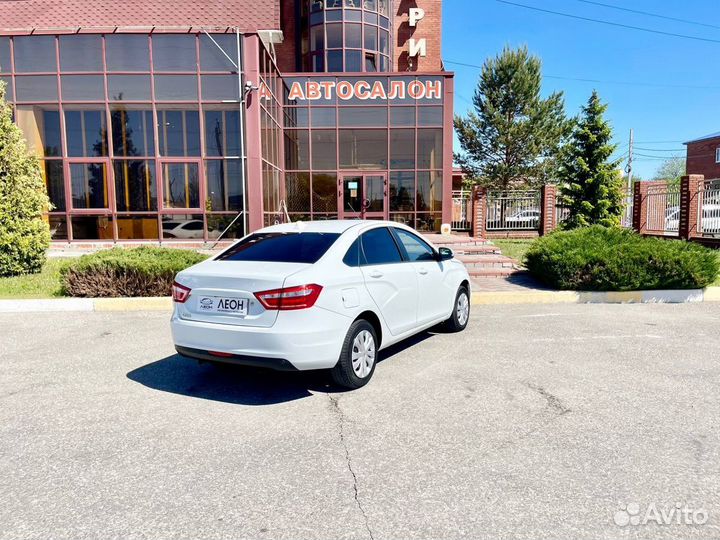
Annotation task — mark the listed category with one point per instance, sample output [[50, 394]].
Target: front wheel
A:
[[461, 311], [356, 364]]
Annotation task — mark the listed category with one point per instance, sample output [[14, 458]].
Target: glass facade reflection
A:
[[138, 135]]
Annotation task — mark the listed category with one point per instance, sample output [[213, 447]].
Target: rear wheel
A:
[[358, 356], [461, 311]]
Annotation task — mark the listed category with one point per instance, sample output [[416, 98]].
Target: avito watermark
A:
[[678, 514]]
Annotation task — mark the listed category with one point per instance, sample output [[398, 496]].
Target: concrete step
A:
[[487, 261], [474, 250], [453, 241], [492, 272]]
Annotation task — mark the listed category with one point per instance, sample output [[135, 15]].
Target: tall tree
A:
[[513, 135], [24, 235], [671, 170], [590, 182]]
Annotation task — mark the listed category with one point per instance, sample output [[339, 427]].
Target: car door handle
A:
[[376, 274], [423, 271]]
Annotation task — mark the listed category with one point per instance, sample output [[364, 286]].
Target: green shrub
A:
[[612, 259], [143, 271], [24, 235]]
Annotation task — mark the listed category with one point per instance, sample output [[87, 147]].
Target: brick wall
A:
[[287, 50], [429, 28], [701, 158]]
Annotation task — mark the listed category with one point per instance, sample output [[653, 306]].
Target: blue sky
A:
[[658, 65]]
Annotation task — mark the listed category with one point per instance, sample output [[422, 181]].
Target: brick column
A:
[[690, 192], [548, 215], [640, 206], [479, 210]]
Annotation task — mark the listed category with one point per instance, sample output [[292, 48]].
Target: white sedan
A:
[[318, 295]]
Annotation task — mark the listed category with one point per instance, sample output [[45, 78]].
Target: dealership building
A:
[[158, 120]]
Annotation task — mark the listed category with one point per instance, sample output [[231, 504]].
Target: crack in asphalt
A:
[[341, 431], [553, 401]]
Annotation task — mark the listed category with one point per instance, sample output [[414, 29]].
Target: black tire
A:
[[456, 323], [344, 374]]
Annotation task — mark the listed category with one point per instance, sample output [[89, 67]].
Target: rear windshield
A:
[[305, 247]]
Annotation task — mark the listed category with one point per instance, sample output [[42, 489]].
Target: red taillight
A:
[[300, 297], [180, 293]]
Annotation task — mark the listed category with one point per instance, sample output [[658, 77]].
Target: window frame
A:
[[717, 155], [400, 251]]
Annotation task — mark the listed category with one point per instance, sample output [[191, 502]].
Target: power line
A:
[[647, 13], [609, 23], [658, 142], [600, 81], [661, 149]]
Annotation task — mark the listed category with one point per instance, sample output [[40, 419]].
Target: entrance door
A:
[[363, 196]]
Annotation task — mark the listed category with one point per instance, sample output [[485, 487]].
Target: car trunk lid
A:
[[217, 285]]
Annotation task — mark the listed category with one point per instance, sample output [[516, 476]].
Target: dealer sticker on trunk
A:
[[235, 306]]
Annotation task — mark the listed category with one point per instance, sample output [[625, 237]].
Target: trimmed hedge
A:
[[613, 259], [143, 271]]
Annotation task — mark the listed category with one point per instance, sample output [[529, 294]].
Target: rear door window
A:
[[305, 247], [379, 247]]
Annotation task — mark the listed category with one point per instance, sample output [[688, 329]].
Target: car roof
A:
[[328, 226]]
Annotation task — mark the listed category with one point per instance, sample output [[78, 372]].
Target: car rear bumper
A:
[[279, 364], [302, 340]]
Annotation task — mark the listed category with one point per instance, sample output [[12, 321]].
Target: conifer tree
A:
[[590, 182]]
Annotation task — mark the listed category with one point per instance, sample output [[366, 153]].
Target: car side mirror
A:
[[445, 254]]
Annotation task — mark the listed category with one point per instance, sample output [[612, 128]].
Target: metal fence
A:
[[513, 210], [663, 209], [709, 210], [461, 210]]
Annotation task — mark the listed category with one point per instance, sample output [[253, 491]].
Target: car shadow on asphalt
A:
[[244, 385]]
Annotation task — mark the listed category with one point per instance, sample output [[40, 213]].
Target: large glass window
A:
[[83, 87], [137, 227], [127, 52], [174, 52], [324, 149], [176, 88], [92, 227], [220, 87], [81, 53], [297, 192], [35, 54], [297, 149], [429, 148], [224, 185], [5, 64], [41, 128], [179, 133], [213, 58], [363, 116], [402, 191], [132, 133], [89, 185], [181, 184], [363, 148], [55, 183], [402, 149], [222, 133], [129, 88], [324, 192], [86, 133], [429, 191], [36, 88], [135, 185], [8, 88]]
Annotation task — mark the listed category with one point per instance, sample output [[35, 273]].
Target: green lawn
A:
[[513, 248], [46, 284]]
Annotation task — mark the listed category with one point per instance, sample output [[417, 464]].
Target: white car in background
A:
[[190, 229], [318, 295]]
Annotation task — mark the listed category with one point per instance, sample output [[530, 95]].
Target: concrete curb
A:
[[86, 304], [711, 294]]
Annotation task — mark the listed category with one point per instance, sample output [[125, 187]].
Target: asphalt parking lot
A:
[[537, 422]]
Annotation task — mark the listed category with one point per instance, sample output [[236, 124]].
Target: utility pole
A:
[[629, 171]]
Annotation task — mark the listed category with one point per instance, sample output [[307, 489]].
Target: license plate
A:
[[216, 304]]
